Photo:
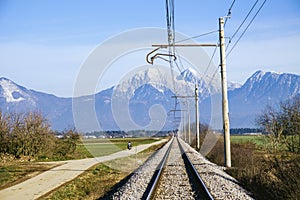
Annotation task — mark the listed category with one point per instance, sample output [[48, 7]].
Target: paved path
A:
[[45, 182]]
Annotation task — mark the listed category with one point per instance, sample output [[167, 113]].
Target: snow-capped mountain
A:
[[15, 98], [13, 93], [189, 77], [159, 78], [261, 89], [135, 97], [146, 97], [275, 86], [232, 86]]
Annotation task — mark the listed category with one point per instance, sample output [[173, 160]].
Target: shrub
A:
[[266, 175], [29, 135], [282, 125]]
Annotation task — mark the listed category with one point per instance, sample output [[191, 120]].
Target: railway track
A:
[[176, 178], [171, 174]]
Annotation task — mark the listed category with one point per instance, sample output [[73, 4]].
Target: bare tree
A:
[[4, 132], [290, 120], [283, 124]]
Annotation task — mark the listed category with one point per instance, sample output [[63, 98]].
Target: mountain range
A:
[[146, 100]]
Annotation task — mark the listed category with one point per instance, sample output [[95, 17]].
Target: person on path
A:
[[129, 146]]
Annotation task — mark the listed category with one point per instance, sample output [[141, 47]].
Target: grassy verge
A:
[[100, 179], [267, 175], [102, 147], [259, 140], [14, 171]]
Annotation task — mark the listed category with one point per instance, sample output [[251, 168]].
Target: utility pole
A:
[[197, 119], [225, 112], [189, 116], [189, 121], [196, 116], [183, 127], [180, 119]]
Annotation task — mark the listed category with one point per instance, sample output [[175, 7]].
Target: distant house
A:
[[90, 137]]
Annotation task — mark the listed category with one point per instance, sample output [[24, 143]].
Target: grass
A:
[[101, 179], [259, 140], [13, 171], [87, 185], [266, 174], [102, 147]]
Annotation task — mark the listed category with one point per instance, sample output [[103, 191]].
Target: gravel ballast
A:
[[219, 183]]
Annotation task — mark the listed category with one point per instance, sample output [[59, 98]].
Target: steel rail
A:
[[199, 185], [151, 191], [204, 192]]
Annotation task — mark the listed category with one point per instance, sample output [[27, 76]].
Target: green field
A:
[[259, 140], [15, 171], [102, 147], [101, 178]]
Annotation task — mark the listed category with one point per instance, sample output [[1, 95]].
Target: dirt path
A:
[[43, 183]]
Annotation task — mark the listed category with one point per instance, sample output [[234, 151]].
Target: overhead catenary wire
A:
[[214, 52], [210, 61], [179, 58], [171, 36], [171, 41], [229, 12], [212, 77], [243, 33], [172, 44], [197, 36], [240, 26], [178, 66], [170, 20]]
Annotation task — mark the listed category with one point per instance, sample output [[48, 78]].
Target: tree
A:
[[71, 137], [290, 120], [283, 124], [25, 134], [67, 144], [4, 132], [37, 132], [30, 135]]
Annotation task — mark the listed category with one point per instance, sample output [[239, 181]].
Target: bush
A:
[[271, 172], [266, 175], [29, 135], [282, 125]]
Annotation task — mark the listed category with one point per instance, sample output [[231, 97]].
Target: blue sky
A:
[[44, 43]]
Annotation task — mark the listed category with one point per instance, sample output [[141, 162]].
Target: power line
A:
[[170, 21], [171, 35], [181, 70], [229, 11], [197, 36], [171, 41], [231, 38], [247, 27], [179, 67], [214, 52], [210, 61]]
